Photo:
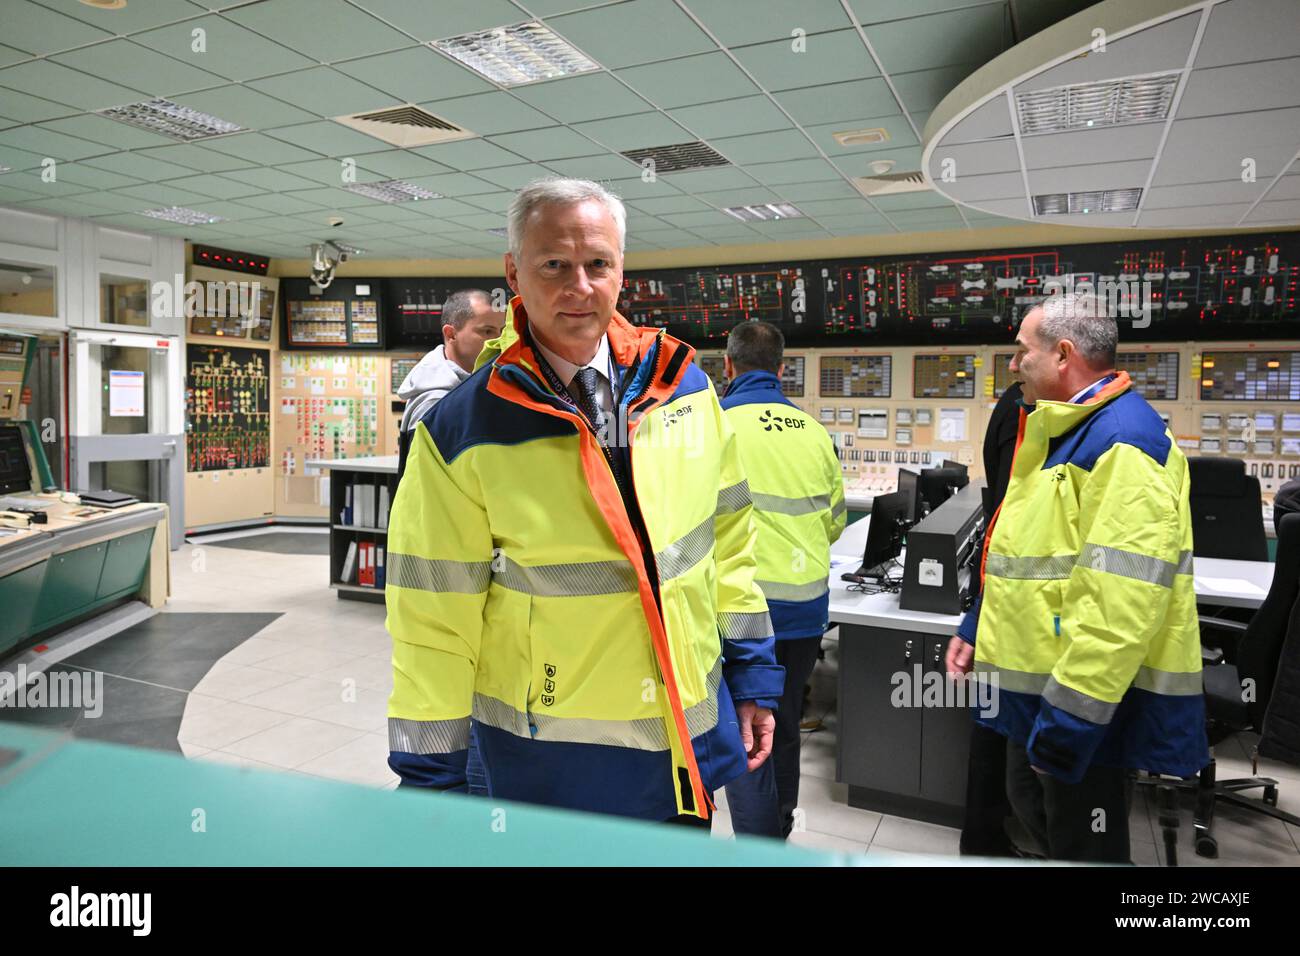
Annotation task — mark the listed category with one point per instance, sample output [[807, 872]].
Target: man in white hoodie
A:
[[467, 322]]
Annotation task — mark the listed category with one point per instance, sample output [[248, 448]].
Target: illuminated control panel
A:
[[856, 376]]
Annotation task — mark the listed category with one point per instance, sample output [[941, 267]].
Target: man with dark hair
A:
[[467, 322], [798, 493]]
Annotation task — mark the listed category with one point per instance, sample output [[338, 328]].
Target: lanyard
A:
[[562, 391]]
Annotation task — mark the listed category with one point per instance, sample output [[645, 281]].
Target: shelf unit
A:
[[344, 475]]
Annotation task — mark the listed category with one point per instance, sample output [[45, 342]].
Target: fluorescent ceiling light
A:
[[523, 53], [502, 232], [764, 212], [392, 190], [1066, 204], [6, 169], [1135, 99], [188, 217], [171, 119]]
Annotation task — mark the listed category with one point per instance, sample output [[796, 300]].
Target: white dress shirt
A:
[[1084, 390], [566, 370]]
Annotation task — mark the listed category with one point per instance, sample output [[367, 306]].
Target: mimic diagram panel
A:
[[227, 408], [793, 384], [1187, 288], [414, 306]]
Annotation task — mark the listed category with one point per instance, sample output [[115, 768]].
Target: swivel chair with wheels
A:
[[1227, 510]]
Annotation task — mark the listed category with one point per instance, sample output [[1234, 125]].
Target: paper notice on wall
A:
[[125, 394], [318, 384], [952, 425], [288, 381]]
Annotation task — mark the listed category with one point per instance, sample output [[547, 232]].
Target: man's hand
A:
[[756, 727], [960, 658]]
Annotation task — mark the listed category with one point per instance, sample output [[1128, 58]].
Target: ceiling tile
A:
[[8, 55], [489, 113], [1280, 211], [34, 29], [332, 198], [140, 68], [976, 159], [661, 30], [447, 18], [657, 206], [606, 166], [247, 107], [827, 104], [702, 180], [327, 172], [709, 217], [229, 50], [1200, 194], [992, 186], [634, 132], [794, 171], [1092, 145], [110, 134], [138, 15], [481, 220], [896, 127], [859, 164], [140, 166], [329, 139], [258, 148], [918, 200], [737, 22], [929, 42], [279, 203], [639, 188], [273, 180], [345, 31], [917, 217], [750, 114], [469, 154], [837, 57], [817, 208], [587, 97], [416, 74], [766, 147], [1195, 216], [745, 196], [11, 193], [401, 164], [1233, 34], [1069, 179], [196, 157], [990, 121], [163, 195], [1152, 50], [1210, 148], [47, 78], [26, 108], [798, 192], [510, 177], [1241, 88], [923, 90], [47, 142], [323, 91], [219, 187], [493, 202], [689, 80], [454, 184], [93, 177], [543, 144], [69, 206]]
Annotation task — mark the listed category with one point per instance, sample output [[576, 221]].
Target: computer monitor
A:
[[940, 484], [909, 483], [15, 468], [954, 465], [885, 533]]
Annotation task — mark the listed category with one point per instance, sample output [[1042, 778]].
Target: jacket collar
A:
[[1061, 417], [631, 346], [755, 381]]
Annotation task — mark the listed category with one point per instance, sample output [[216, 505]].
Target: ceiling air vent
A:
[[405, 127], [678, 158], [890, 184]]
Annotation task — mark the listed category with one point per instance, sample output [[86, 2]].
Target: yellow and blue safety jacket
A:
[[596, 640], [798, 493], [1086, 629]]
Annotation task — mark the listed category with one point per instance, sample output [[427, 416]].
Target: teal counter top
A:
[[66, 802]]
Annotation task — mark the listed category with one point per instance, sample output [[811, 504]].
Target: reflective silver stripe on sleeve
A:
[[841, 506], [428, 736], [1128, 564], [686, 552], [1018, 682], [779, 591], [1031, 568], [732, 499], [1171, 683], [645, 733], [744, 625], [779, 504], [1184, 562], [1077, 704], [566, 580], [431, 574]]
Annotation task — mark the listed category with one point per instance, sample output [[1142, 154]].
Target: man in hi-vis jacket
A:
[[571, 553]]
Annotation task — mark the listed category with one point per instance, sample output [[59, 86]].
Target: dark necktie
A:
[[585, 383]]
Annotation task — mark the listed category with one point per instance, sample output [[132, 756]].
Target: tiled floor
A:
[[307, 694]]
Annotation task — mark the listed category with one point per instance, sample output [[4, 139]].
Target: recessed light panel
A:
[[392, 190], [171, 119], [514, 55], [1119, 102], [188, 217], [764, 212], [1068, 204]]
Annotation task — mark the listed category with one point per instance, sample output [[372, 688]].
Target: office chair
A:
[[1248, 659], [1227, 510]]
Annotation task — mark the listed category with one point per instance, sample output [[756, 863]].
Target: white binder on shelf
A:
[[383, 507], [349, 563]]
